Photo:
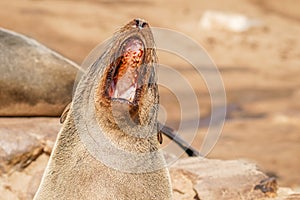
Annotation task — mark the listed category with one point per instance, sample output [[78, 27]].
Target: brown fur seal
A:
[[108, 145]]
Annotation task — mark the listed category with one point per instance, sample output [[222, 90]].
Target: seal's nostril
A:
[[144, 24], [137, 22], [140, 23]]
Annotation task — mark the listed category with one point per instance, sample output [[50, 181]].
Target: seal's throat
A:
[[123, 75]]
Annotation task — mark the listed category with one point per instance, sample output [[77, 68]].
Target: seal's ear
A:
[[159, 137], [159, 134], [65, 113]]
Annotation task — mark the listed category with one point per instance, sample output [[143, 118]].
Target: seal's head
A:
[[116, 102], [127, 89]]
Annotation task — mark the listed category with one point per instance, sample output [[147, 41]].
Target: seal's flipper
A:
[[170, 133]]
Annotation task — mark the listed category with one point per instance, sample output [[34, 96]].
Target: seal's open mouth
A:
[[123, 76]]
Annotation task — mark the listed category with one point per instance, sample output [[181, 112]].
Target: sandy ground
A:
[[260, 67]]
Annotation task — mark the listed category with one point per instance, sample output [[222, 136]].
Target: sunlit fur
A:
[[73, 173]]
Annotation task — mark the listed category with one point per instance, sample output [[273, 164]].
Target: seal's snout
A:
[[139, 23], [131, 57], [125, 75]]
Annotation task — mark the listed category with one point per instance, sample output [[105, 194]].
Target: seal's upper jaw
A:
[[126, 71], [128, 82]]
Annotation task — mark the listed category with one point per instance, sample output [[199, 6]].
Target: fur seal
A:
[[108, 147]]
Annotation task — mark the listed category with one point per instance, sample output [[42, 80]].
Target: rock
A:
[[24, 139], [27, 142], [34, 80], [22, 185], [287, 194], [195, 178], [183, 184]]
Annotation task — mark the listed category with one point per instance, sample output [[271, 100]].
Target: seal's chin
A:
[[123, 77]]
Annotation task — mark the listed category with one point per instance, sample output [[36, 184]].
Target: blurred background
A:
[[254, 43]]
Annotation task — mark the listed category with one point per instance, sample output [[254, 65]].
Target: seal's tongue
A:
[[124, 82]]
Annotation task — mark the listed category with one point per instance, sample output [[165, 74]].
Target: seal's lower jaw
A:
[[122, 78], [124, 87]]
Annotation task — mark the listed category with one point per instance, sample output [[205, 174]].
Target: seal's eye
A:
[[124, 80]]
